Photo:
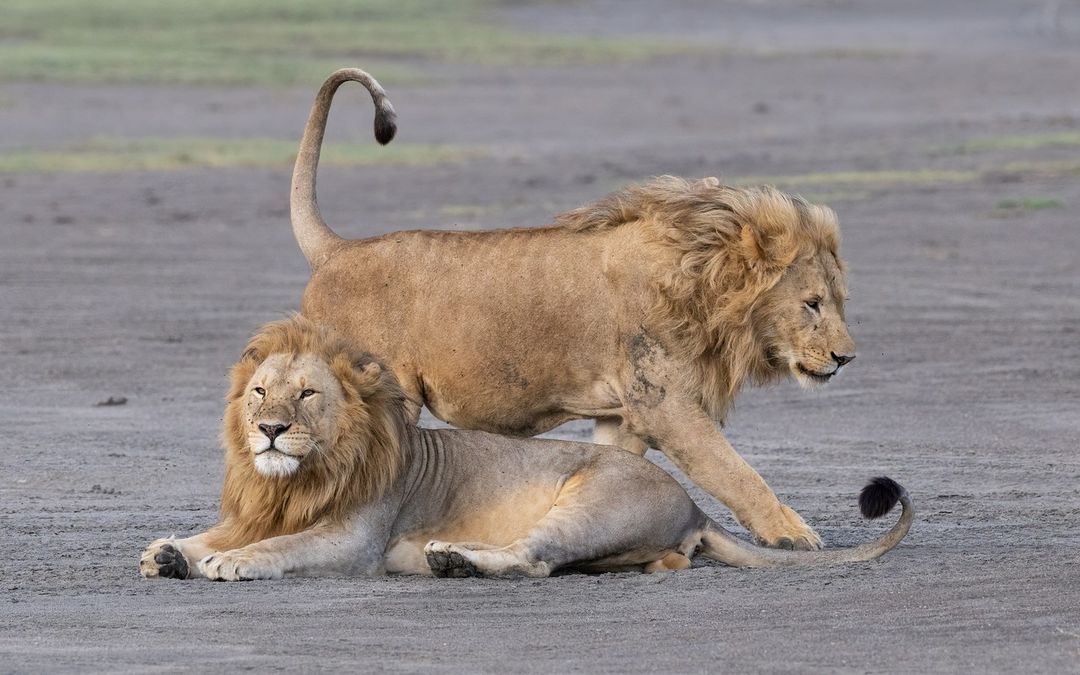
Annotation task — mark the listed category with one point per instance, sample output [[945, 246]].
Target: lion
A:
[[325, 475], [646, 311]]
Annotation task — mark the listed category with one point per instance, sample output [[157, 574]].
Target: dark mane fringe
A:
[[367, 456], [720, 248]]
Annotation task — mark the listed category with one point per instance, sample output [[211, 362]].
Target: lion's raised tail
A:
[[315, 238], [876, 499]]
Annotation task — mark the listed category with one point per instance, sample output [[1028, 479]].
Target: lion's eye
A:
[[814, 304], [307, 392], [260, 392]]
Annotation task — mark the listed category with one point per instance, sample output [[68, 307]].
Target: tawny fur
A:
[[369, 494], [336, 479], [646, 311], [723, 248]]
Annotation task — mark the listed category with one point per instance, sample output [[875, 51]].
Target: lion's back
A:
[[490, 328]]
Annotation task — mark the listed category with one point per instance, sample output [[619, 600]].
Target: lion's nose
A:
[[843, 359], [272, 431]]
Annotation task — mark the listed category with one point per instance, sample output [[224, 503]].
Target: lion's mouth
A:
[[276, 450], [276, 463], [816, 377]]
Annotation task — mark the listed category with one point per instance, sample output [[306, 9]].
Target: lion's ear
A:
[[251, 354], [770, 224], [368, 372], [766, 246]]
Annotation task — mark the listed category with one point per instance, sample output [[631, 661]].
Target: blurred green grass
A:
[[163, 154], [272, 42], [1029, 204], [868, 180], [1056, 139], [864, 178]]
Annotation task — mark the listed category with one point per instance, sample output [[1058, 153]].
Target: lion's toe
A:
[[238, 565], [808, 542], [788, 531], [219, 567], [812, 543]]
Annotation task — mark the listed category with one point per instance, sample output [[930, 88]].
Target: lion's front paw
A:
[[237, 565], [786, 530], [162, 559]]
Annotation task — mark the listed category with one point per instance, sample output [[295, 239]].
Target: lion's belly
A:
[[501, 407], [511, 420]]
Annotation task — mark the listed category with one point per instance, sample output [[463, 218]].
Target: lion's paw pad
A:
[[445, 561], [164, 560]]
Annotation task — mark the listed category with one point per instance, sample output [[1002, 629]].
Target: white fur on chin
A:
[[809, 383], [274, 464]]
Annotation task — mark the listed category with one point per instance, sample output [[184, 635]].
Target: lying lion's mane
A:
[[720, 248], [364, 459]]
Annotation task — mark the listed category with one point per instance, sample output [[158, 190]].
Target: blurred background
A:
[[145, 154]]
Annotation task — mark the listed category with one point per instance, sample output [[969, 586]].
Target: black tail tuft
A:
[[879, 497], [385, 126]]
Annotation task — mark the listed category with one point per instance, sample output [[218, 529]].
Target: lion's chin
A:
[[809, 379], [276, 464]]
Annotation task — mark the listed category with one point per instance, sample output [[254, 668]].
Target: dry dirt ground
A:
[[965, 276]]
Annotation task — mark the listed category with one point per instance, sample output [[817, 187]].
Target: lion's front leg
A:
[[692, 441], [322, 550], [242, 564]]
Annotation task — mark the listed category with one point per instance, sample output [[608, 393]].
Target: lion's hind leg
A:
[[539, 555], [619, 513], [471, 560]]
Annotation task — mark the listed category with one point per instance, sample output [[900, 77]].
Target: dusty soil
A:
[[145, 285]]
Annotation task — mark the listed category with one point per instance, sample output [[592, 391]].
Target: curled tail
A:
[[876, 499], [315, 238]]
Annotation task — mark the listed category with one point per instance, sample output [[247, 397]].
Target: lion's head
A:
[[313, 428], [803, 330], [750, 282]]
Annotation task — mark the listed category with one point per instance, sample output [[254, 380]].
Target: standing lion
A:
[[646, 311]]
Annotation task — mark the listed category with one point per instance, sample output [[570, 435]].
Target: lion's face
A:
[[289, 407], [805, 312]]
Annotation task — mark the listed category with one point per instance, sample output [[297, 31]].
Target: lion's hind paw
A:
[[445, 560]]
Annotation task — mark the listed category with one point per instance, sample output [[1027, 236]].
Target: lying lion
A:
[[324, 475], [645, 311]]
